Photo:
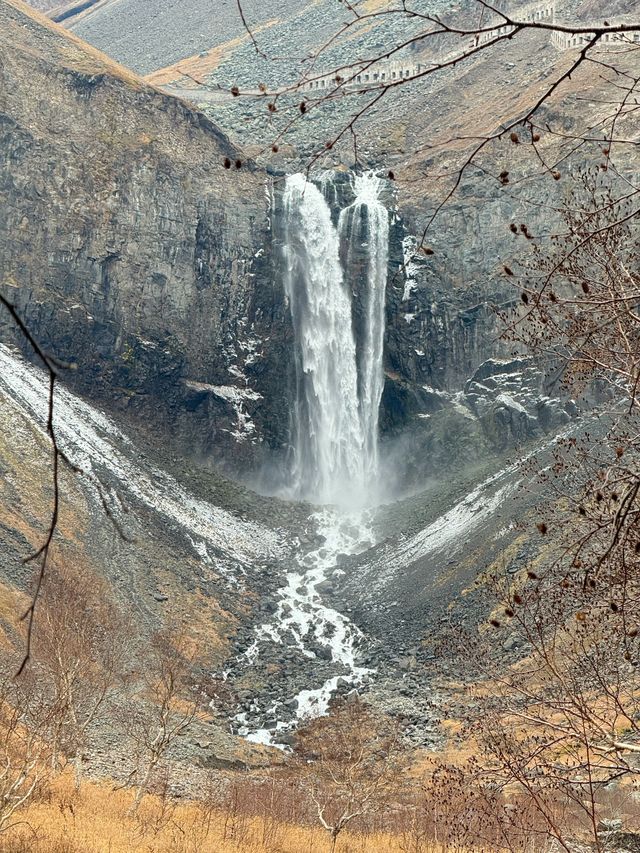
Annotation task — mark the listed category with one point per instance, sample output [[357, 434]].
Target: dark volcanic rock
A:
[[132, 251], [509, 398]]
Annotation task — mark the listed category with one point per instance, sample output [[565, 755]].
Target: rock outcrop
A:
[[131, 250]]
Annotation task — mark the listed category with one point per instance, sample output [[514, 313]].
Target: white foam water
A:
[[340, 381], [366, 222], [328, 443], [302, 613]]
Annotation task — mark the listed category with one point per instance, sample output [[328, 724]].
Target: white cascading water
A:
[[366, 222], [334, 430], [328, 444]]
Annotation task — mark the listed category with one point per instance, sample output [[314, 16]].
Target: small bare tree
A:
[[78, 658], [164, 709], [565, 721], [352, 762], [24, 753]]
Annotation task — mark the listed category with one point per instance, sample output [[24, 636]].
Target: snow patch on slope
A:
[[94, 443], [448, 534], [409, 249]]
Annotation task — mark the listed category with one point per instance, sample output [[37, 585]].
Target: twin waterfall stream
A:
[[335, 423], [334, 430]]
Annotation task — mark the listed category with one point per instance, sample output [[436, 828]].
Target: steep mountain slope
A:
[[44, 5], [142, 245], [129, 246], [284, 607], [132, 251], [148, 35], [156, 271], [169, 554]]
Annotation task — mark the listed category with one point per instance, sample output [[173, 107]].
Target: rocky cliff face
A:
[[129, 247], [134, 247]]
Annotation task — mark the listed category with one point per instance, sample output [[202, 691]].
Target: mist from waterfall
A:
[[339, 379]]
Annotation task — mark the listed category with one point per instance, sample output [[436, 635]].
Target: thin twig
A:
[[42, 553]]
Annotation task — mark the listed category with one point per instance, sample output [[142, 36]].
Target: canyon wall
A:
[[130, 249]]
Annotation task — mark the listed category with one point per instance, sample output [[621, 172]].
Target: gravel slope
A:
[[149, 34]]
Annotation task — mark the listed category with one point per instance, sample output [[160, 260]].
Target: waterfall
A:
[[327, 440], [365, 223], [334, 435], [339, 379]]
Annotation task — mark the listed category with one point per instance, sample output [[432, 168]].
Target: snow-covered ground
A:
[[98, 447], [448, 534]]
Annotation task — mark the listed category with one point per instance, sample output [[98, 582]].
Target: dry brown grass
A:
[[96, 820]]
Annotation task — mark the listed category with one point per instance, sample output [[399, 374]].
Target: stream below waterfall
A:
[[314, 626], [334, 431], [310, 649]]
